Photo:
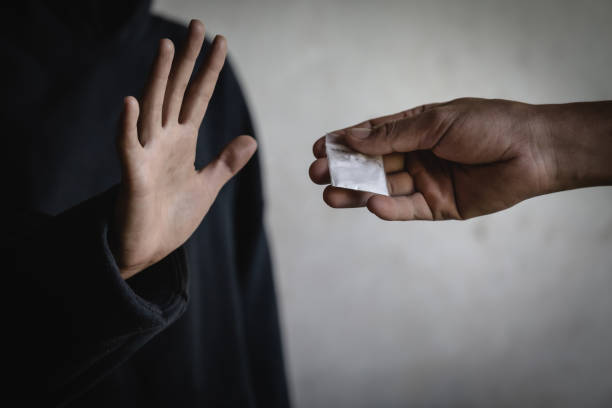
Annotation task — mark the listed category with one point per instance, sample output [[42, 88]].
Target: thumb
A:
[[419, 132], [229, 162]]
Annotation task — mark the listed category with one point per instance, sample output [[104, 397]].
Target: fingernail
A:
[[360, 133]]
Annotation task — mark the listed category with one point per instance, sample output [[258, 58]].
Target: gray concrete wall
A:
[[510, 310]]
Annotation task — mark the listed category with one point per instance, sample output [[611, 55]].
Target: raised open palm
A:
[[162, 197], [454, 160]]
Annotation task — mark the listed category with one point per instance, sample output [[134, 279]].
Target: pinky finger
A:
[[403, 208], [127, 140]]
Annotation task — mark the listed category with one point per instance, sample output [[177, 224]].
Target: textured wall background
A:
[[511, 310]]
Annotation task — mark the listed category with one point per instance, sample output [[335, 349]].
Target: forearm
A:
[[76, 318], [578, 143]]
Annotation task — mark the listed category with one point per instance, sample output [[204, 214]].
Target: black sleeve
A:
[[76, 318], [266, 362]]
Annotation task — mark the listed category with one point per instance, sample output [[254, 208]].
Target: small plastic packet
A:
[[351, 169]]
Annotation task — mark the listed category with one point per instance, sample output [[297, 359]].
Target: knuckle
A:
[[206, 94], [215, 65], [435, 116], [212, 71], [433, 127], [191, 55], [391, 134]]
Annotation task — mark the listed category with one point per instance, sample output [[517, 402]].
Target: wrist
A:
[[115, 243], [575, 143]]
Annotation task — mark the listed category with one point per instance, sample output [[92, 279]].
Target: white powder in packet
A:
[[354, 170]]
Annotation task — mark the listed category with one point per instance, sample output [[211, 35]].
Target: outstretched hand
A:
[[162, 197], [454, 160]]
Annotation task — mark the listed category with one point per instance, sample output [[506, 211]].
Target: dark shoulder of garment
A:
[[200, 328]]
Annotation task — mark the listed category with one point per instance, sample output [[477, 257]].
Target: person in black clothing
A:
[[125, 298]]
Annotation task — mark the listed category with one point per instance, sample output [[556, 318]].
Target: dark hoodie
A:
[[199, 328]]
